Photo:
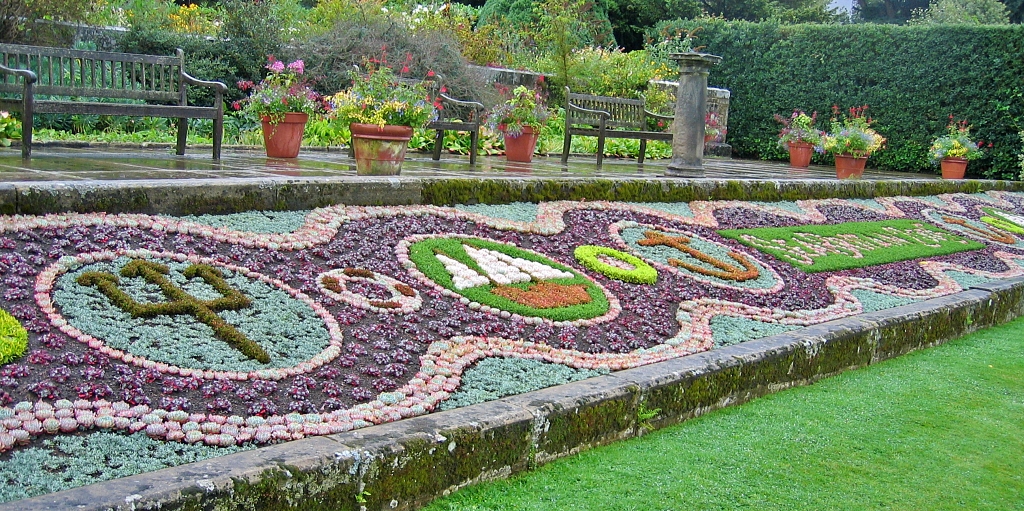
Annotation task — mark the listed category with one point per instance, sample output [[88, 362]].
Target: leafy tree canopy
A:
[[527, 13], [887, 11], [971, 12]]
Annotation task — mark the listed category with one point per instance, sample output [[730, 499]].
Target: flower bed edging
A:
[[404, 464]]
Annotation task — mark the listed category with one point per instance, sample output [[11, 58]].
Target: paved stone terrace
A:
[[111, 163]]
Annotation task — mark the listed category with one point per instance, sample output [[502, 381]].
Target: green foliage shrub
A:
[[13, 338], [912, 77], [592, 25], [971, 12], [236, 57], [16, 20], [251, 31], [411, 54]]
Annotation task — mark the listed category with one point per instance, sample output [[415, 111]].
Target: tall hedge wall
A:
[[913, 78]]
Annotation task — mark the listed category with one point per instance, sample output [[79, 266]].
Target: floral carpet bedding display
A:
[[177, 339]]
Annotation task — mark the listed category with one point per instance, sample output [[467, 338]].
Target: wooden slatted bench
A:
[[62, 76], [608, 117], [457, 115]]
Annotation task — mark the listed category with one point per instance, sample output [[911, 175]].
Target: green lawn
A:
[[937, 429]]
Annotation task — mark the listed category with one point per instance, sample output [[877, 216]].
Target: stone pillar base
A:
[[679, 171]]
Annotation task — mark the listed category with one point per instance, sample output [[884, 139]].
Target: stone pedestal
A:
[[691, 106]]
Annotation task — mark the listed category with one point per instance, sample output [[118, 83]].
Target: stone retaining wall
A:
[[199, 196]]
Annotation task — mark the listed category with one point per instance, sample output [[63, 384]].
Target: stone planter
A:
[[379, 151]]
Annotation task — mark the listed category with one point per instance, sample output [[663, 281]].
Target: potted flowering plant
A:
[[8, 129], [799, 136], [283, 101], [519, 120], [953, 150], [851, 141], [713, 128], [381, 111]]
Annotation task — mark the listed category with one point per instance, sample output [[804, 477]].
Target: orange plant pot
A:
[[850, 167], [283, 139], [521, 148], [953, 168], [800, 154]]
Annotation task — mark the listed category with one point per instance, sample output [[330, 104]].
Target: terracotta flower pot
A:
[[283, 139], [800, 154], [850, 167], [709, 138], [379, 151], [953, 168], [521, 148]]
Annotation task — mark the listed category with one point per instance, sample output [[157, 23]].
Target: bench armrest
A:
[[29, 76], [659, 116], [601, 113], [217, 86], [471, 104]]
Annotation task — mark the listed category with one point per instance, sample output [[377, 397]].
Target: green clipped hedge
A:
[[913, 78]]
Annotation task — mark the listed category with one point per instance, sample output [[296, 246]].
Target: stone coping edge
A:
[[404, 465], [233, 195]]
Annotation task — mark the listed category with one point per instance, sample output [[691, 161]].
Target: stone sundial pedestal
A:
[[691, 107]]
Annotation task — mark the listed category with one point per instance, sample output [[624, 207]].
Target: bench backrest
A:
[[625, 113], [65, 72], [451, 112]]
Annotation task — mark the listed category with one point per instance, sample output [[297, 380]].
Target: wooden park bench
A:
[[42, 80], [607, 117], [455, 115]]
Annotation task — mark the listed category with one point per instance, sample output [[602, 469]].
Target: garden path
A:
[[110, 162]]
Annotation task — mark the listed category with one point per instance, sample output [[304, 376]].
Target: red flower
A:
[[405, 69], [236, 105], [430, 74]]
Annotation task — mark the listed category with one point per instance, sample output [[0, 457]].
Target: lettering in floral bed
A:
[[817, 248]]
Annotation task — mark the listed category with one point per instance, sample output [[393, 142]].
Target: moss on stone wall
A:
[[447, 192]]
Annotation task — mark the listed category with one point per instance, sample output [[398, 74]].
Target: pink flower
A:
[[276, 66], [298, 67]]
